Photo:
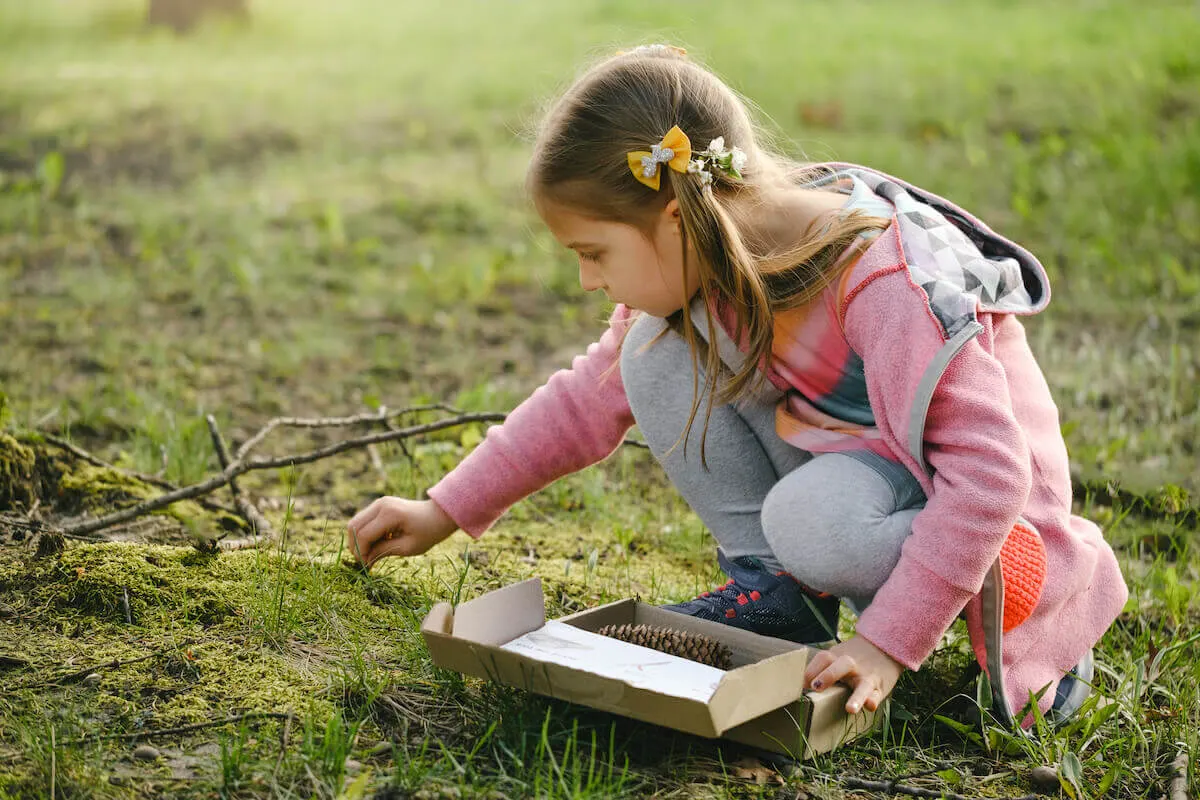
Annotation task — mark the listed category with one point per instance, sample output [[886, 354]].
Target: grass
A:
[[320, 213]]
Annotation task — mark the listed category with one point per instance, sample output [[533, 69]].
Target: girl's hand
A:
[[862, 666], [393, 526]]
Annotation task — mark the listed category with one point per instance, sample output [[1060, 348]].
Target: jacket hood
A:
[[962, 265]]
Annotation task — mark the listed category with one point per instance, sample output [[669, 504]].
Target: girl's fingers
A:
[[381, 549], [862, 695], [839, 669], [377, 529], [366, 515], [819, 662]]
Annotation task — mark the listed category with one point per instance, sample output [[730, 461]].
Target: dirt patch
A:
[[150, 148]]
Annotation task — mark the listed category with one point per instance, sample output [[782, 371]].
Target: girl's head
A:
[[630, 238], [654, 249]]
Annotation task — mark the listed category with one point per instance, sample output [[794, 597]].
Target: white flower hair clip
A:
[[716, 157]]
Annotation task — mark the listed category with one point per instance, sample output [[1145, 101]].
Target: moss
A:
[[18, 483], [92, 580], [33, 472], [102, 490]]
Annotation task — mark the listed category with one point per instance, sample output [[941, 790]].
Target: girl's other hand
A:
[[862, 666], [393, 526]]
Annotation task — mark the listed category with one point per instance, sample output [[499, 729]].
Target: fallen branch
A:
[[241, 463], [240, 467], [199, 726], [1179, 781]]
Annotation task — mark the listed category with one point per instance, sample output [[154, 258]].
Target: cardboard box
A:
[[758, 702]]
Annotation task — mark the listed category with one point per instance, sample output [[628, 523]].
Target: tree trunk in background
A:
[[182, 15]]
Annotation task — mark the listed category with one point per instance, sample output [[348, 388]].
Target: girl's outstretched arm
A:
[[575, 419]]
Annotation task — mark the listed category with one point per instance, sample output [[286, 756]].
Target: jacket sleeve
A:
[[972, 441], [575, 419]]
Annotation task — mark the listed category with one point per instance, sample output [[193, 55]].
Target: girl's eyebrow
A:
[[575, 245]]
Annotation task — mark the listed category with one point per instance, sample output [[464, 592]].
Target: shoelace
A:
[[721, 596]]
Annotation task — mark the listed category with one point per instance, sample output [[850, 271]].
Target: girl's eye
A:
[[590, 256]]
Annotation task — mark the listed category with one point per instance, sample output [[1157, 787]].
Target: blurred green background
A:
[[321, 206], [317, 210]]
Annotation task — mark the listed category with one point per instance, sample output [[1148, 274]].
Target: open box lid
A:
[[766, 675]]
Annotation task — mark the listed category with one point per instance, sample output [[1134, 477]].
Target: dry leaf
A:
[[751, 769]]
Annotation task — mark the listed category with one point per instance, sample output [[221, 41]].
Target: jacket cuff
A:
[[910, 612], [453, 495]]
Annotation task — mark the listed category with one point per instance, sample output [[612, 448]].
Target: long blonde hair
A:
[[627, 102]]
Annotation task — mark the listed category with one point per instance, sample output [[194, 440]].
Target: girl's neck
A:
[[778, 221]]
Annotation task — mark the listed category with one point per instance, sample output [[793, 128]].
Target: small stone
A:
[[117, 780], [1045, 778], [92, 680], [145, 752], [353, 767]]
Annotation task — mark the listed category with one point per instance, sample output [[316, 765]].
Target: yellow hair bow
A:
[[675, 150]]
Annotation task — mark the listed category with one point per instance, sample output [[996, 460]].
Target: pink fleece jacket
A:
[[991, 438]]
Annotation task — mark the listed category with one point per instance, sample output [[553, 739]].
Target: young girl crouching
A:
[[828, 363]]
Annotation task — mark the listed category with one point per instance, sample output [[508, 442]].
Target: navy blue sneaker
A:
[[754, 599], [1074, 688]]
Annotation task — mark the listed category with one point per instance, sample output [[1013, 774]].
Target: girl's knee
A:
[[835, 526], [788, 510]]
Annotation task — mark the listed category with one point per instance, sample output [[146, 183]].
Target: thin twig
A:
[[1179, 781], [373, 451], [893, 787], [259, 525], [79, 674], [84, 455], [199, 726], [336, 422]]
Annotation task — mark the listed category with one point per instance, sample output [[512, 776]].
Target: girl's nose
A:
[[588, 279]]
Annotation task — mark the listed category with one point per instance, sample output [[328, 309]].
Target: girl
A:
[[828, 364]]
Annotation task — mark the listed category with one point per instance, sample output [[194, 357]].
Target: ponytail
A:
[[748, 289]]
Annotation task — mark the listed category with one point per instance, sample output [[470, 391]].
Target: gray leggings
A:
[[835, 521]]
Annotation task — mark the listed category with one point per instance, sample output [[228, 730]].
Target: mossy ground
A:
[[319, 212]]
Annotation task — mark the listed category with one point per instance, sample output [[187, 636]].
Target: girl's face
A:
[[643, 273]]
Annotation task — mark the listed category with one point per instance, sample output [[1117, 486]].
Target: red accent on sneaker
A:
[[730, 613], [705, 594], [742, 600], [755, 595]]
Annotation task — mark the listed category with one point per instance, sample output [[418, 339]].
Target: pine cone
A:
[[692, 646]]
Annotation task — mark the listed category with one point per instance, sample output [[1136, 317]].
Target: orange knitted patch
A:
[[1023, 565]]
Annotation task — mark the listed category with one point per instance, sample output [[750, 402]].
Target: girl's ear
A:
[[670, 213]]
